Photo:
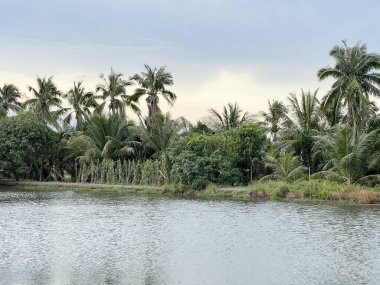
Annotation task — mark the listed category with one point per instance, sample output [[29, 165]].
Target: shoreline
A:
[[276, 191]]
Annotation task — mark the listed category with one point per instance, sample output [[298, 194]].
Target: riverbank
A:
[[314, 190]]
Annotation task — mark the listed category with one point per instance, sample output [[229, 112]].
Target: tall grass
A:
[[323, 190]]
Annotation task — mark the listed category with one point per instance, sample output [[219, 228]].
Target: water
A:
[[100, 238]]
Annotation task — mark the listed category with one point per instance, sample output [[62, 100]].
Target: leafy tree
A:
[[201, 128], [9, 99], [274, 117], [153, 83], [26, 146], [230, 118], [355, 80], [248, 144], [46, 103], [222, 158], [81, 103], [113, 89]]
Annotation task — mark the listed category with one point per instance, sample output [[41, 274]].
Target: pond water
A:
[[107, 238]]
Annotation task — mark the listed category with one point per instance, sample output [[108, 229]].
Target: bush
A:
[[280, 193], [199, 183], [222, 158], [26, 147], [283, 191]]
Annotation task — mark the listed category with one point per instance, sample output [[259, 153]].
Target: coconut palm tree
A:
[[153, 83], [303, 123], [81, 102], [9, 99], [46, 102], [333, 113], [343, 161], [286, 168], [158, 132], [231, 117], [273, 119], [104, 137], [113, 89], [355, 78]]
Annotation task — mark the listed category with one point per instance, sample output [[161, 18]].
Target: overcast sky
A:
[[218, 51]]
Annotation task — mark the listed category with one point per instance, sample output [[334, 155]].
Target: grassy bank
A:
[[317, 190], [314, 190]]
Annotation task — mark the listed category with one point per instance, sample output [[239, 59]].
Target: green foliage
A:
[[152, 84], [355, 78], [302, 125], [279, 193], [9, 99], [157, 132], [222, 158], [274, 118], [113, 91], [344, 161], [81, 103], [26, 146], [202, 128], [286, 167], [306, 136], [46, 103], [104, 138], [230, 118]]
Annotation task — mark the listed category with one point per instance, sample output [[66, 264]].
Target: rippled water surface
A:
[[102, 238]]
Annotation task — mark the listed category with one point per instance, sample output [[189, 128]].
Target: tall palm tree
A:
[[153, 83], [231, 117], [46, 102], [274, 117], [302, 125], [334, 112], [113, 89], [342, 160], [355, 78], [9, 99], [81, 102], [159, 131], [104, 137]]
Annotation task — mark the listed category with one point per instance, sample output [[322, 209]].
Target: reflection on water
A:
[[103, 238]]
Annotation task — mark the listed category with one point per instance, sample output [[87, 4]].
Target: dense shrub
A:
[[222, 158], [26, 146]]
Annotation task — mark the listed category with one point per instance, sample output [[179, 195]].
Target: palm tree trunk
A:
[[79, 126], [354, 135], [352, 117]]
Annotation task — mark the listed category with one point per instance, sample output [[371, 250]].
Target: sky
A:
[[219, 51]]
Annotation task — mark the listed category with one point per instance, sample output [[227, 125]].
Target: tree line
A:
[[333, 136]]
